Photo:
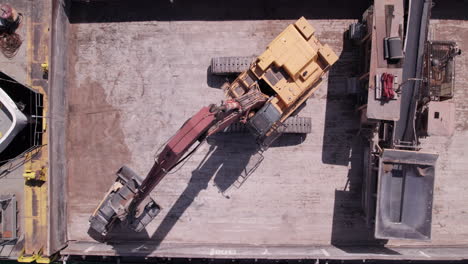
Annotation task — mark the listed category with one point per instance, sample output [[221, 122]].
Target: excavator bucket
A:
[[117, 204]]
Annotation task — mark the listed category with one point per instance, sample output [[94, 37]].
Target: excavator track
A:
[[293, 125], [298, 125], [230, 65]]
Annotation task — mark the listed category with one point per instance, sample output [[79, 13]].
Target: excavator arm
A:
[[123, 202]]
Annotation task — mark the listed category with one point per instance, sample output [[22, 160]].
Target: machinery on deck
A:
[[394, 86], [263, 97]]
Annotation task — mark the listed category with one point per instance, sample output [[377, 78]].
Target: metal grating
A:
[[440, 70]]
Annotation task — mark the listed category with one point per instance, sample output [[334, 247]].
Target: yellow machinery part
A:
[[23, 258], [36, 257], [33, 169], [292, 65]]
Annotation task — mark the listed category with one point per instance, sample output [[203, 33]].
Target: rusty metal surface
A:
[[439, 69], [8, 222]]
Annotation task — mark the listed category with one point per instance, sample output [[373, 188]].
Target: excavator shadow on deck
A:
[[229, 161]]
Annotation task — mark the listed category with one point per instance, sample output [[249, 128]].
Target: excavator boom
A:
[[123, 199]]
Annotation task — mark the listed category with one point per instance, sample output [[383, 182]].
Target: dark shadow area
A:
[[450, 9], [237, 167], [343, 145], [286, 140], [341, 118], [231, 158], [349, 227], [22, 142], [96, 236], [211, 10], [34, 183], [29, 103], [216, 81], [234, 159]]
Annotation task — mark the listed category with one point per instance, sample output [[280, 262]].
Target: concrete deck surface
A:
[[134, 83]]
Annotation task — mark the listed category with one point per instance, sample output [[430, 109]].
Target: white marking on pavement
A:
[[89, 249], [325, 252], [424, 254]]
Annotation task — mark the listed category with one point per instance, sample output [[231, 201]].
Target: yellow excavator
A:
[[288, 72], [262, 97]]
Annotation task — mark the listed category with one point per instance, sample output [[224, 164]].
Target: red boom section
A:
[[126, 195], [177, 146]]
